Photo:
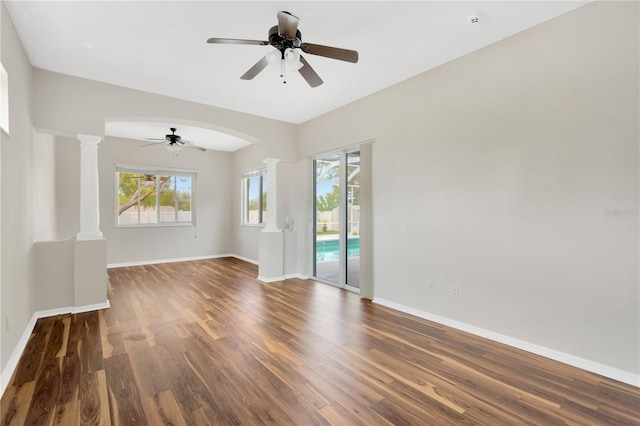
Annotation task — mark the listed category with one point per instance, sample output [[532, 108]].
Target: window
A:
[[254, 197], [147, 196], [4, 100]]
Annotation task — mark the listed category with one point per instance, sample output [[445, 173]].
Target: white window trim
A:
[[157, 170], [4, 100], [243, 197]]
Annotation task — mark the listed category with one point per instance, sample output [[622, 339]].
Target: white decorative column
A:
[[272, 196], [90, 249], [89, 200], [271, 247]]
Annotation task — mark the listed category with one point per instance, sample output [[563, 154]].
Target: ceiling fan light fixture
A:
[[173, 147], [287, 65], [273, 58], [292, 60]]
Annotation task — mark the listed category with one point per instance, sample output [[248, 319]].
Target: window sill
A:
[[254, 225], [158, 225]]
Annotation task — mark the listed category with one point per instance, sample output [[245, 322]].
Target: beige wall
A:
[[54, 274], [67, 184], [245, 238], [43, 171], [69, 105], [291, 190], [2, 363], [210, 236], [16, 286], [212, 233], [495, 174]]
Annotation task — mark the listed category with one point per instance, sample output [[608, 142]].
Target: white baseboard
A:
[[178, 259], [584, 364], [282, 278], [12, 363], [90, 308], [246, 259], [270, 279], [299, 276], [157, 261]]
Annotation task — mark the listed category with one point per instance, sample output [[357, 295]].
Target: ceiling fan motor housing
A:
[[173, 138], [281, 42]]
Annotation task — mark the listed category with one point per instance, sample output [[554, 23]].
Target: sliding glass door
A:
[[353, 219], [327, 218], [336, 237]]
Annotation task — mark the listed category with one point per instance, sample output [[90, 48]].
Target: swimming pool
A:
[[329, 249]]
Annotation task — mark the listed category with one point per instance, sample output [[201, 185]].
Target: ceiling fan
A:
[[175, 142], [287, 39]]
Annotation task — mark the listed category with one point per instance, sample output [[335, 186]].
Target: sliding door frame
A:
[[366, 217]]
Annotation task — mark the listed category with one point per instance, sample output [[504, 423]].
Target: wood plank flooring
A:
[[205, 343]]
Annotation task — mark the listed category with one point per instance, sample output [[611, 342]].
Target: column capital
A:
[[89, 139]]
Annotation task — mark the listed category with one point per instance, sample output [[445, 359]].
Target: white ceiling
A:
[[160, 46]]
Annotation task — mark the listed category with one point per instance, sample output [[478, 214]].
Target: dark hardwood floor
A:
[[204, 342]]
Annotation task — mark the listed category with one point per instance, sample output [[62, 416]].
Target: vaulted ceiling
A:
[[160, 46]]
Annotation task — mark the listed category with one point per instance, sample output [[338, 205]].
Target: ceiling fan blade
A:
[[237, 41], [190, 144], [153, 143], [309, 74], [330, 52], [287, 24], [255, 70], [154, 139]]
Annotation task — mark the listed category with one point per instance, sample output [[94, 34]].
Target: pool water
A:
[[329, 249]]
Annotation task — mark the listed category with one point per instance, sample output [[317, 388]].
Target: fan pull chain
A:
[[283, 72]]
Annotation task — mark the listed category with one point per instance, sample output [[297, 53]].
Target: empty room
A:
[[312, 212]]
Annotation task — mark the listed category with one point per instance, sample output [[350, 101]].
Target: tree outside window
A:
[[154, 198]]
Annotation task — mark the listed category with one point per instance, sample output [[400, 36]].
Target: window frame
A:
[[244, 198], [4, 100], [156, 172]]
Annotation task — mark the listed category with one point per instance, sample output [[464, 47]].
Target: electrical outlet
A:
[[431, 288], [455, 292], [155, 247]]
